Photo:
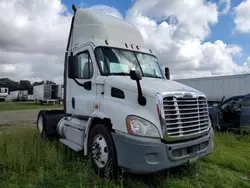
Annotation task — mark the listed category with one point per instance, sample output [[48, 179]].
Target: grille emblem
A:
[[188, 95]]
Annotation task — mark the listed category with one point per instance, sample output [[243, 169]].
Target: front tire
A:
[[102, 152]]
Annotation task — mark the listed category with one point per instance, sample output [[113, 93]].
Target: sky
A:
[[193, 38]]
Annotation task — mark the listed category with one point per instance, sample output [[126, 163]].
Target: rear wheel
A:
[[102, 152], [42, 125]]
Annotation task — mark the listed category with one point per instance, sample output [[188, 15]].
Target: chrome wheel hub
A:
[[100, 151]]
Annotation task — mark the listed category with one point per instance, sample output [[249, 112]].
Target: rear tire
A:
[[42, 125], [102, 152]]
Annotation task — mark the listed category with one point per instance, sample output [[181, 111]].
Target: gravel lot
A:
[[18, 116], [22, 116]]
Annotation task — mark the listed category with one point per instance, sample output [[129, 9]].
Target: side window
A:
[[85, 66], [231, 102], [246, 102], [238, 105]]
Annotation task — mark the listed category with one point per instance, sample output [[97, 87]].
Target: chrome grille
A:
[[185, 116]]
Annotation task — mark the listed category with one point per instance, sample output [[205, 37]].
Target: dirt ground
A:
[[18, 116]]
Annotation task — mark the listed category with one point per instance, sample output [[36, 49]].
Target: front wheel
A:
[[102, 151]]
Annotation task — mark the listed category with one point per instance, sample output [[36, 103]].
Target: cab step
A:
[[71, 145]]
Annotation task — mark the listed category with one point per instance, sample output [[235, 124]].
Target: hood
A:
[[150, 86]]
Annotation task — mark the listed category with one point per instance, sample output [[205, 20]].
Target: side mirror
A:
[[167, 73], [135, 75], [72, 66]]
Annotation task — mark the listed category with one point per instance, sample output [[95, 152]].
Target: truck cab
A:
[[120, 106]]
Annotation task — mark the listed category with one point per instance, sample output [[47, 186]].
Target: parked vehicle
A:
[[19, 95], [60, 93], [216, 87], [233, 113], [47, 92], [4, 91], [119, 106], [30, 98]]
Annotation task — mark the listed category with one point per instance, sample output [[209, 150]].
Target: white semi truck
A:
[[119, 107]]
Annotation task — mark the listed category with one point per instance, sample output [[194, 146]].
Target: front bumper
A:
[[139, 156]]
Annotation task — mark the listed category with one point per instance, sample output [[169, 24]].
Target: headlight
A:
[[141, 127]]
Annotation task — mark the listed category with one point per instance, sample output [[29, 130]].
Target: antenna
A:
[[74, 8]]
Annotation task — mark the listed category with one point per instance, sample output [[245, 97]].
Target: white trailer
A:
[[19, 95], [47, 93], [119, 106], [13, 95], [4, 91], [22, 95], [60, 93], [30, 98], [217, 87]]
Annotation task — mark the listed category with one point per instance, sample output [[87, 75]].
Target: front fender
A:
[[118, 110], [98, 114], [213, 113], [95, 114]]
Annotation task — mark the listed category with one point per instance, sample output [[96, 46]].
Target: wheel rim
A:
[[100, 151], [40, 124]]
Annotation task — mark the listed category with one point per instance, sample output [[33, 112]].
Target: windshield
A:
[[119, 62], [233, 102]]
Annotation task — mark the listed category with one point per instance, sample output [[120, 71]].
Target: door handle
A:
[[73, 102]]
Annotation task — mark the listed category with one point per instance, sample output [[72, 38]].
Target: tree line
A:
[[22, 84]]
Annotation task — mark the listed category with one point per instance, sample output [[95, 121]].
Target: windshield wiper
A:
[[151, 76], [127, 74]]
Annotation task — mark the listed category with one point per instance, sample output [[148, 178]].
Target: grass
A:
[[27, 161], [6, 106]]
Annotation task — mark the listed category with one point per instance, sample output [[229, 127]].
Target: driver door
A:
[[224, 115], [219, 113], [82, 90], [245, 112]]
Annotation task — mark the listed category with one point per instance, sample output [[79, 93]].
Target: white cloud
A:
[[33, 38], [196, 15], [242, 15], [225, 5], [180, 44], [246, 64]]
